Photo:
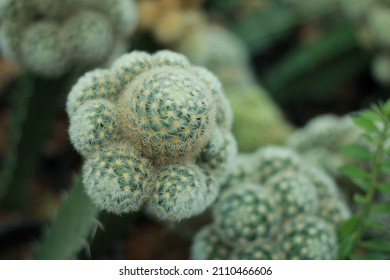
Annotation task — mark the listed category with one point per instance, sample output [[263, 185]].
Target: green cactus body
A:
[[208, 245], [88, 34], [334, 211], [294, 193], [324, 184], [219, 154], [93, 85], [308, 237], [274, 159], [243, 171], [247, 213], [48, 37], [93, 127], [43, 51], [117, 179], [178, 192], [258, 250], [165, 113], [168, 114]]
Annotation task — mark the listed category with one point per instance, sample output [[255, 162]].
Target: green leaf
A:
[[354, 172], [372, 256], [347, 246], [386, 108], [357, 151], [376, 244], [365, 123], [383, 207], [347, 227]]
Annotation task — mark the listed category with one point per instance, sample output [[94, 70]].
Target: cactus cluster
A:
[[282, 209], [48, 37], [372, 18], [155, 132], [321, 139]]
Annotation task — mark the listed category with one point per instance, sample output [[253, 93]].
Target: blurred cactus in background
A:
[[282, 209], [146, 128], [48, 37], [372, 18]]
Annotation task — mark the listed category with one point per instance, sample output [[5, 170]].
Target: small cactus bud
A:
[[247, 213], [208, 245], [257, 250], [274, 159], [88, 34], [117, 178], [178, 193], [93, 126], [43, 51], [294, 192], [308, 238]]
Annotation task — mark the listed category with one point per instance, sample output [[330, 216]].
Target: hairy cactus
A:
[[295, 192], [260, 250], [308, 237], [208, 245], [274, 159], [173, 132], [260, 204], [247, 213], [320, 141], [48, 37]]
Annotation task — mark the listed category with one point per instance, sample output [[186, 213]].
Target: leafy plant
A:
[[372, 177]]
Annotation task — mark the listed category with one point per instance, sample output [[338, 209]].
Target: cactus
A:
[[49, 37], [208, 245], [308, 237], [274, 159], [381, 68], [260, 250], [71, 228], [161, 111], [294, 192], [247, 213]]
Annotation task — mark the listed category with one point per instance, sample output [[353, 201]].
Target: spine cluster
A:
[[282, 209], [48, 37], [155, 132]]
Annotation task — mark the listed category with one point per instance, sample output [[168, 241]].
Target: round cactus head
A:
[[208, 245], [308, 238], [164, 112], [257, 250], [295, 193], [247, 213]]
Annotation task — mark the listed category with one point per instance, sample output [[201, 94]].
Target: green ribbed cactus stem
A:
[[257, 250], [117, 179], [324, 184], [294, 193], [247, 213], [274, 159], [178, 193], [208, 245], [308, 238]]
